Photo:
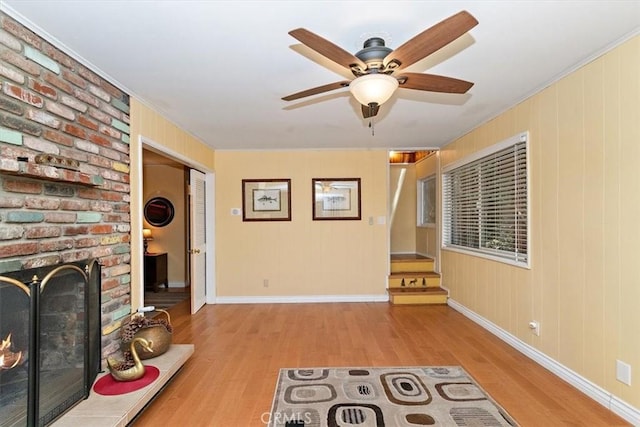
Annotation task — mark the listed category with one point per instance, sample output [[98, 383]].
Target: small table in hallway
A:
[[155, 271]]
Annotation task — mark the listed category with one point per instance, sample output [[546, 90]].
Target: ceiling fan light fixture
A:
[[373, 88]]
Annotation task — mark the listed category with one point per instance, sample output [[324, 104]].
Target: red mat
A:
[[108, 386]]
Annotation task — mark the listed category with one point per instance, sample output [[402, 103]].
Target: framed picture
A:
[[336, 198], [266, 200]]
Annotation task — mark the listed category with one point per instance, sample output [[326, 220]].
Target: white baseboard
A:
[[592, 390], [176, 284], [302, 299]]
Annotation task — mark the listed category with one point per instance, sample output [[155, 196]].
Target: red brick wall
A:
[[50, 103]]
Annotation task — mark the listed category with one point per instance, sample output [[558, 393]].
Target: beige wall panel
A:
[[611, 227], [585, 205], [427, 166], [432, 242], [156, 128], [630, 206], [504, 285], [503, 127], [492, 287], [452, 273], [467, 146], [593, 220], [427, 237], [523, 311], [466, 285], [545, 184], [535, 164], [301, 257], [570, 219], [484, 283], [422, 236], [402, 183]]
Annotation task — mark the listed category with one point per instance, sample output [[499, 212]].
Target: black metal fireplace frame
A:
[[90, 271]]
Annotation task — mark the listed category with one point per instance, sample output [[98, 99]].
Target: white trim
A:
[[480, 154], [426, 255], [137, 234], [177, 284], [597, 393], [462, 250], [302, 299], [420, 190], [210, 255], [152, 145], [148, 143], [487, 151]]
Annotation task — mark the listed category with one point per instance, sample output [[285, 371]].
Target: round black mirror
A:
[[158, 211]]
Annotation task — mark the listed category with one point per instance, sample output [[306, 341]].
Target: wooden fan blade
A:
[[433, 83], [432, 39], [327, 49], [317, 90], [369, 110]]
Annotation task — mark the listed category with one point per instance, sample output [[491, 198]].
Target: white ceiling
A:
[[219, 68]]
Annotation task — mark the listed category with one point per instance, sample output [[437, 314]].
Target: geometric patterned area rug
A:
[[377, 397]]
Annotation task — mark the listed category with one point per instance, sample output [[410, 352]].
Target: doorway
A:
[[169, 256], [409, 233]]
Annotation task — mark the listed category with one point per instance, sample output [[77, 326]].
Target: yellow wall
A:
[[147, 123], [169, 182], [426, 237], [301, 257], [584, 284], [402, 194]]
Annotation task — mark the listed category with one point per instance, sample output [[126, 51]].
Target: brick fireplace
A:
[[64, 168], [65, 198]]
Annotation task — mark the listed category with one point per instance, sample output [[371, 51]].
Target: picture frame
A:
[[266, 199], [336, 199]]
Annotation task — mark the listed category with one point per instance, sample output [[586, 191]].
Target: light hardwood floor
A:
[[230, 379]]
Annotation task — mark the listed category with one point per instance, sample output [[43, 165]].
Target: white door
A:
[[198, 271]]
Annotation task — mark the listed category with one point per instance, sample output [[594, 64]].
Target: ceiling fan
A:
[[376, 67]]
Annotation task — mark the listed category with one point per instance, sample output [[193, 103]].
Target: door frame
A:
[[136, 235]]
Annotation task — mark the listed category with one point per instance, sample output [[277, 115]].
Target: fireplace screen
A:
[[50, 341]]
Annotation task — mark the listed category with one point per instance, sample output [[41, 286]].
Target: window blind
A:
[[485, 204]]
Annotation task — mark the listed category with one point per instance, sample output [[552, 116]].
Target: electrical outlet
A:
[[265, 283], [534, 325], [623, 372]]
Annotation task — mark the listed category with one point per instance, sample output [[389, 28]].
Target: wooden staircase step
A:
[[409, 257], [411, 263], [418, 295], [414, 279]]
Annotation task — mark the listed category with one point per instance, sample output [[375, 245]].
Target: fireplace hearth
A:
[[50, 347]]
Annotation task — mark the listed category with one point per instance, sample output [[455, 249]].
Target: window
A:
[[427, 202], [485, 203]]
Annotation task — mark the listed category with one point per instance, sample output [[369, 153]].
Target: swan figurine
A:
[[134, 372]]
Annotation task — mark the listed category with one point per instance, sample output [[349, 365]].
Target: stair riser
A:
[[421, 283], [416, 266], [417, 299], [431, 282]]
